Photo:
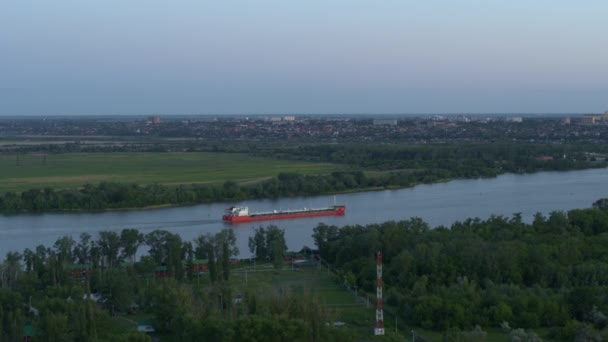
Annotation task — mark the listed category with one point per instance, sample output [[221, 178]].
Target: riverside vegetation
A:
[[547, 279], [269, 172], [550, 275]]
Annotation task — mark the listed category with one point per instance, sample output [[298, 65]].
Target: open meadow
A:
[[27, 171]]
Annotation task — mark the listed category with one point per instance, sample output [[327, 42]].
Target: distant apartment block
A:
[[154, 119], [590, 119], [385, 122]]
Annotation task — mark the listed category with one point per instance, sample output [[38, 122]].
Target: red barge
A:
[[242, 214]]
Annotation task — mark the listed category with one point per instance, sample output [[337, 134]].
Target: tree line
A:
[[463, 160], [107, 195], [53, 290], [551, 273]]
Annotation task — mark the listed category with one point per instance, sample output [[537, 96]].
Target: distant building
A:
[[590, 119], [517, 119], [200, 265], [145, 326], [606, 116], [385, 122], [461, 118], [293, 257], [544, 158], [79, 270], [566, 120], [29, 332], [289, 118], [154, 119]]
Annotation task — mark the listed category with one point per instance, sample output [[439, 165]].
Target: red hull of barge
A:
[[336, 211]]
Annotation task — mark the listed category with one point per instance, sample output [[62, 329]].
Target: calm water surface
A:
[[437, 204]]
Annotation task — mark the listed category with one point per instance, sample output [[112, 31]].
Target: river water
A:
[[437, 204]]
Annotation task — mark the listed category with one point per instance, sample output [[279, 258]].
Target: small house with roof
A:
[[79, 270]]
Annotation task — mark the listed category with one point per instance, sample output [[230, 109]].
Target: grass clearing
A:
[[343, 305], [26, 171]]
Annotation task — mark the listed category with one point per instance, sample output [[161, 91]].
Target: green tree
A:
[[109, 247], [136, 336], [10, 269], [171, 304], [118, 289], [275, 245], [55, 327], [130, 240], [601, 203], [257, 244], [323, 235], [227, 249], [82, 251], [206, 248], [64, 250]]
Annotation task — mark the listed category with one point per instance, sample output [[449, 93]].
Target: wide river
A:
[[437, 204]]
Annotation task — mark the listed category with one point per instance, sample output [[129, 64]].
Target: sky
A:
[[140, 57]]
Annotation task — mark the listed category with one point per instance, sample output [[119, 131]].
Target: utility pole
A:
[[379, 330]]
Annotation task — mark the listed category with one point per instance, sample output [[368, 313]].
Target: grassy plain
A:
[[26, 171]]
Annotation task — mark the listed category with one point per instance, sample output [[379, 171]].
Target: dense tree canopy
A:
[[551, 273], [62, 300], [484, 272]]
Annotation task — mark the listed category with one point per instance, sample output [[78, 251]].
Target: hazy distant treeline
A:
[[460, 160]]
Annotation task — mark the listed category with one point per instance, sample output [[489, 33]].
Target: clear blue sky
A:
[[71, 57]]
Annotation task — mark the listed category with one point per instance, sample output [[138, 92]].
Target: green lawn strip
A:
[[355, 312], [112, 328], [343, 305], [492, 334], [26, 171]]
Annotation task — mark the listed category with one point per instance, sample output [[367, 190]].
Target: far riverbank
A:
[[107, 196]]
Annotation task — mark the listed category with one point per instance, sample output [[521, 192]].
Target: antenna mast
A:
[[379, 330]]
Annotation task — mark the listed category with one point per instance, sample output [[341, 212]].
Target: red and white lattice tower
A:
[[379, 330]]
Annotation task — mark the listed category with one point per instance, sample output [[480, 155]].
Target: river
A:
[[437, 204]]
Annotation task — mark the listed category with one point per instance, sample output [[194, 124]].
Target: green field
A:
[[344, 306], [26, 171]]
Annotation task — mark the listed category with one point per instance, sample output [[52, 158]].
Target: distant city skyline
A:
[[311, 57]]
